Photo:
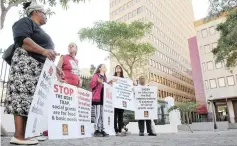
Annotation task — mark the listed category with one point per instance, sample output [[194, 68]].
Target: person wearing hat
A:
[[33, 45], [141, 123]]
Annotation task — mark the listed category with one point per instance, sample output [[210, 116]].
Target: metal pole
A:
[[214, 114]]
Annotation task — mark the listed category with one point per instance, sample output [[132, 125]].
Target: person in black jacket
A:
[[118, 113], [33, 46]]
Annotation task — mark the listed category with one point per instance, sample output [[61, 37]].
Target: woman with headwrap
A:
[[33, 46]]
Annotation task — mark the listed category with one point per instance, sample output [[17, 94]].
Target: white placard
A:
[[63, 112], [146, 102], [40, 98], [84, 99], [108, 110], [123, 94]]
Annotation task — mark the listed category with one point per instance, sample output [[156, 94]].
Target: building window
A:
[[134, 13], [129, 15], [214, 45], [219, 65], [206, 84], [204, 33], [129, 4], [204, 67], [230, 80], [213, 83], [139, 10], [201, 50], [210, 65], [221, 82], [207, 48], [212, 30]]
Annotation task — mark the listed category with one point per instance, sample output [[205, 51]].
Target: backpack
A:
[[8, 54]]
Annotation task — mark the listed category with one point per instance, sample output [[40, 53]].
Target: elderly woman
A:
[[33, 46], [69, 65]]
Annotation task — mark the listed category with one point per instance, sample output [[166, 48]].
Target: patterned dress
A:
[[23, 78], [25, 67]]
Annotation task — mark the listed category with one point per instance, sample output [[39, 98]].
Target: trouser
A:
[[141, 125], [98, 117], [118, 120]]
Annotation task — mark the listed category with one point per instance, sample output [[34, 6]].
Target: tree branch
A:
[[14, 4]]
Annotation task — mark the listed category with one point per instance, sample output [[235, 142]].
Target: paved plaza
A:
[[218, 138]]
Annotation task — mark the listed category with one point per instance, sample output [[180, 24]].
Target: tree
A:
[[92, 69], [123, 41], [185, 109], [226, 50], [6, 5]]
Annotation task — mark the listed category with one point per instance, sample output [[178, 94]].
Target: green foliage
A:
[[123, 41], [129, 116], [217, 7], [92, 69], [184, 107], [226, 50]]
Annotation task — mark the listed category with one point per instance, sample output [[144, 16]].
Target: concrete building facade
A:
[[219, 83], [169, 68]]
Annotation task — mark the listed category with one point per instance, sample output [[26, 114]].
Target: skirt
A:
[[23, 77]]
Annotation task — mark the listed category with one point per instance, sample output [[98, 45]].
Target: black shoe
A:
[[152, 134], [104, 134], [141, 134], [97, 133]]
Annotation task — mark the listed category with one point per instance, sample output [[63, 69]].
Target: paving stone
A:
[[201, 138]]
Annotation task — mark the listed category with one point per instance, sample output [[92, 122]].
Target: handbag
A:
[[8, 54]]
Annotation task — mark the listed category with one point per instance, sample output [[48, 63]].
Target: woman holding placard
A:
[[118, 113], [32, 46], [96, 84]]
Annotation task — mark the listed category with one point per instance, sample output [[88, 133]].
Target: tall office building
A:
[[217, 82], [169, 68]]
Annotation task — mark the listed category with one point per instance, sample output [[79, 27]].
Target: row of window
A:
[[208, 48], [207, 32], [169, 50], [178, 98], [140, 10], [130, 14], [169, 71], [171, 84], [167, 30], [164, 46], [208, 66], [128, 5], [174, 26], [222, 82], [158, 21]]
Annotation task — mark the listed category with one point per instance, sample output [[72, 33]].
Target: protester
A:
[[96, 84], [118, 113], [33, 46], [69, 65], [141, 123]]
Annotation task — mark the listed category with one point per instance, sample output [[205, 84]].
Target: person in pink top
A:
[[96, 84], [69, 65]]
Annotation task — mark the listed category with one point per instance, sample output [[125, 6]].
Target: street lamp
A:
[[213, 111]]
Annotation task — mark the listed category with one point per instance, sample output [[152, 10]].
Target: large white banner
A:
[[84, 99], [108, 110], [146, 102], [40, 99], [63, 112], [123, 94]]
